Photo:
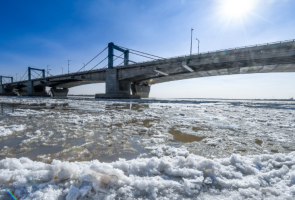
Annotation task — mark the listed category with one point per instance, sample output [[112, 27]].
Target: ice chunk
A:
[[73, 193], [8, 130]]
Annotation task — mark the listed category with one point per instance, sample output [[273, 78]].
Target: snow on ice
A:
[[177, 175]]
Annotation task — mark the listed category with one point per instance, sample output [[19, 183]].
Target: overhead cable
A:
[[93, 59], [37, 73], [23, 75], [124, 59], [141, 55], [114, 60], [33, 76], [98, 63], [141, 52]]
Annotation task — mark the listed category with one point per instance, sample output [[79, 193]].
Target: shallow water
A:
[[78, 130]]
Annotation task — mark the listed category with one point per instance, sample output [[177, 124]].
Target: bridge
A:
[[134, 80]]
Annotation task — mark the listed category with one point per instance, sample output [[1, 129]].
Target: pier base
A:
[[116, 96], [141, 89], [116, 89], [59, 92]]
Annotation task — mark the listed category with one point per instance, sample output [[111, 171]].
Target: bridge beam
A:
[[1, 79], [184, 64], [30, 72], [155, 69], [32, 89], [111, 48]]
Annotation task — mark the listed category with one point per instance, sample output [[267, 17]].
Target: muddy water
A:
[[116, 148], [182, 137], [76, 130]]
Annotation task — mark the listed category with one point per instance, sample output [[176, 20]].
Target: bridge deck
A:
[[273, 57]]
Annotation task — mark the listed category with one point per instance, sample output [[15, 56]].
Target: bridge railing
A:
[[245, 47]]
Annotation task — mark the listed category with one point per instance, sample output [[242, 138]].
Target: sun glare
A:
[[236, 8]]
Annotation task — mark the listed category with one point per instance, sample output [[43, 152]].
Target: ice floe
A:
[[8, 130]]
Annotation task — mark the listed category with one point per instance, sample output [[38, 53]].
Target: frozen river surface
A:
[[146, 149]]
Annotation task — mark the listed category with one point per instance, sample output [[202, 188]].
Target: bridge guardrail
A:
[[240, 56]]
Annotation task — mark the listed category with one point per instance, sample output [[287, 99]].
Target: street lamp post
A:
[[198, 45], [69, 66], [191, 39], [62, 70]]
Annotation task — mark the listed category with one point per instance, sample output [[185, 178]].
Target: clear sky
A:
[[38, 33]]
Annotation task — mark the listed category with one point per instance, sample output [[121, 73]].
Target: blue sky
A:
[[38, 33]]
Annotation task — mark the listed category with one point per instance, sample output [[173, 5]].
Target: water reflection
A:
[[7, 108], [127, 106]]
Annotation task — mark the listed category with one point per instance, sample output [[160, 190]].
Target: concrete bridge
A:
[[135, 80]]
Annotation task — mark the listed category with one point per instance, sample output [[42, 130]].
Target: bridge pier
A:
[[116, 89], [7, 91], [56, 92], [141, 89], [36, 90]]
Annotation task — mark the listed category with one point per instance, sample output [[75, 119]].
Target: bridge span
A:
[[135, 80]]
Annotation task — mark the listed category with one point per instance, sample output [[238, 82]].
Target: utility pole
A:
[[191, 39], [198, 45], [48, 70], [62, 70], [69, 66]]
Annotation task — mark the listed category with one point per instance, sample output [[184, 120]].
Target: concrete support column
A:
[[36, 90], [59, 92], [112, 84], [30, 88], [141, 89], [116, 89], [2, 91]]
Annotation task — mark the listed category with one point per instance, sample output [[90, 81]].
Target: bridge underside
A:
[[38, 88], [71, 84], [139, 86], [224, 71]]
